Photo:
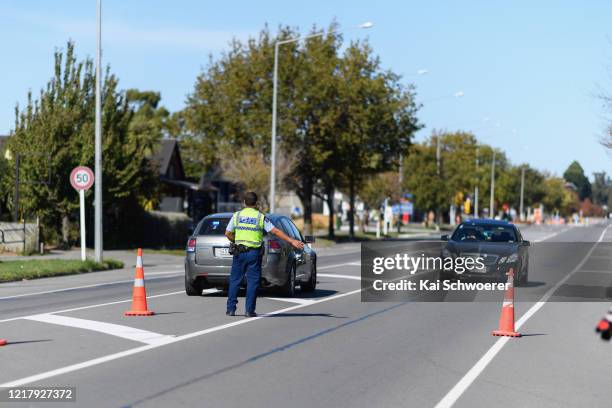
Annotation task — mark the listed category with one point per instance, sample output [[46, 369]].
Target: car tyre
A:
[[193, 288], [289, 286], [311, 284]]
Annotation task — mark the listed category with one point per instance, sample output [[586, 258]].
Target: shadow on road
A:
[[13, 343], [305, 315]]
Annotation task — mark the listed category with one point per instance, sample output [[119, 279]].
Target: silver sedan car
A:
[[208, 262]]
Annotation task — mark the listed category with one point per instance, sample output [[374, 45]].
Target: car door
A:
[[303, 256]]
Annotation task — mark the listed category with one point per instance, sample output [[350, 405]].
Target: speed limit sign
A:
[[82, 178]]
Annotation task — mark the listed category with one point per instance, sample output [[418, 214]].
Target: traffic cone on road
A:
[[604, 327], [506, 320], [139, 296], [3, 342]]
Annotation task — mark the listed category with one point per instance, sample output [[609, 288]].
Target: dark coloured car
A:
[[208, 262], [499, 245]]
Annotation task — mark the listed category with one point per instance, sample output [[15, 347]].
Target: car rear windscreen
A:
[[213, 226]]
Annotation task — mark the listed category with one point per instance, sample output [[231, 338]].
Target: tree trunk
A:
[[352, 208], [65, 231], [329, 192], [306, 199]]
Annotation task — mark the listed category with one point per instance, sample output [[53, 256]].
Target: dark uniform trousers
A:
[[248, 263]]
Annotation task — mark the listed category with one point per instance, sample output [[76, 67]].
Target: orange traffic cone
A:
[[506, 320], [139, 297], [3, 342]]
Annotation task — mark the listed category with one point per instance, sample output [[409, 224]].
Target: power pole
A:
[[98, 144], [438, 173], [477, 181], [492, 187], [521, 217]]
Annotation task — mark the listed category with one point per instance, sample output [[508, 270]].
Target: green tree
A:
[[377, 119], [55, 133], [602, 189], [340, 117], [575, 174]]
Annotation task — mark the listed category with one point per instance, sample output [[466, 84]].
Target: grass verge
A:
[[33, 269], [164, 251]]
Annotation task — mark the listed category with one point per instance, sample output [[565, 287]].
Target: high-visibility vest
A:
[[249, 224]]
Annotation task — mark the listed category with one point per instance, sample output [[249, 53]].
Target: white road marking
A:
[[74, 309], [333, 275], [453, 395], [116, 356], [89, 286], [117, 330], [320, 268], [206, 291], [299, 301]]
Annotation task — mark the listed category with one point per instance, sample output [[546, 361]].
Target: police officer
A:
[[245, 229]]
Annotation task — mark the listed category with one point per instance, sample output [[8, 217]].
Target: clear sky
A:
[[529, 70]]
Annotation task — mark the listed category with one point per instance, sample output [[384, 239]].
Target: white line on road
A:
[[453, 395], [339, 265], [90, 286], [74, 309], [116, 356], [117, 330], [333, 275], [299, 301]]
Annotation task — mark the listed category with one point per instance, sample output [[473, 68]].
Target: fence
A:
[[19, 237]]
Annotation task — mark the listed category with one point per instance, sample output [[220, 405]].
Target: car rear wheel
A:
[[289, 287], [193, 288], [311, 284]]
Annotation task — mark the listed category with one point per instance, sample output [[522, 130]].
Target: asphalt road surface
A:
[[327, 349]]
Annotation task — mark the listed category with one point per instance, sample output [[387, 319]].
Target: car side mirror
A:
[[526, 243], [444, 237], [310, 239]]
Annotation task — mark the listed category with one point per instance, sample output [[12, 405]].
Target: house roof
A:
[[163, 156]]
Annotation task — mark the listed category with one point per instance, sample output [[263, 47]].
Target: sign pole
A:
[[83, 243], [81, 179]]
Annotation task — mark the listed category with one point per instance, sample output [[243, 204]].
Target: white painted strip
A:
[[139, 262], [117, 330], [299, 301], [453, 395], [333, 275], [319, 268], [89, 286], [139, 283], [116, 356], [96, 305]]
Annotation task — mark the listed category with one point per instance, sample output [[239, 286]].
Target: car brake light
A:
[[274, 246], [191, 245]]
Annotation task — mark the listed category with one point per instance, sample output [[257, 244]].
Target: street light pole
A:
[[98, 144], [477, 181], [492, 186], [274, 108], [273, 143], [522, 193]]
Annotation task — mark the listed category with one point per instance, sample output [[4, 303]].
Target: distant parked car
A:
[[208, 262], [499, 244]]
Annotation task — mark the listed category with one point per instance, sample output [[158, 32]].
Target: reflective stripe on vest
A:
[[249, 227]]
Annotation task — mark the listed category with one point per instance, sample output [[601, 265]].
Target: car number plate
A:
[[222, 252]]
